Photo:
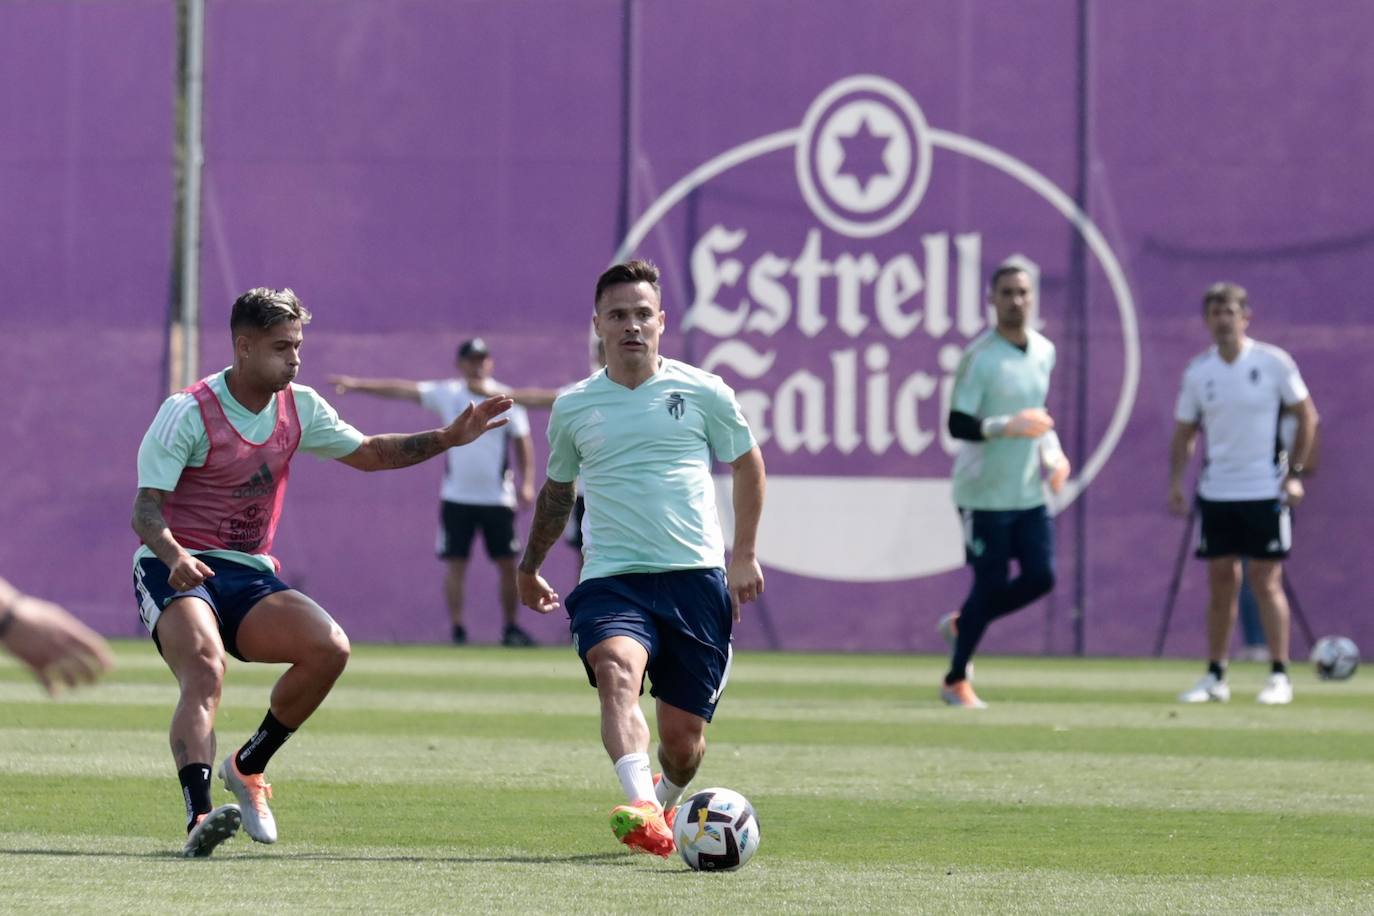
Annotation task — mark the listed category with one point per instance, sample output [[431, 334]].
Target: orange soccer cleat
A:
[[642, 827]]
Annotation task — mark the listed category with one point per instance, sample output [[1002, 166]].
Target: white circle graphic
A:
[[888, 515], [879, 110]]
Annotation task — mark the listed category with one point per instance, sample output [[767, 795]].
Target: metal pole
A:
[[189, 311], [1078, 286]]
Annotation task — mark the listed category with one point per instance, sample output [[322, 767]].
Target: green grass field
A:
[[460, 780]]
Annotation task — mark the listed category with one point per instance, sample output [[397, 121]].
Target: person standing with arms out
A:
[[212, 472], [479, 491], [1235, 393], [656, 594], [998, 410]]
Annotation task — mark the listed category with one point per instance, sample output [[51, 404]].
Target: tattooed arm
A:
[[186, 571], [550, 516], [400, 450]]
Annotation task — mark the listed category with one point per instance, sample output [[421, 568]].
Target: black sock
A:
[[1278, 668], [460, 634], [195, 791], [1218, 669], [252, 757]]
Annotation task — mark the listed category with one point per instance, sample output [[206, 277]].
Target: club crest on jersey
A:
[[676, 405]]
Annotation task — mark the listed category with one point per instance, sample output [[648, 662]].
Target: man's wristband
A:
[[993, 427], [1297, 471]]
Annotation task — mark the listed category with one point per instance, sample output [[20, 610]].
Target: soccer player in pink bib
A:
[[212, 472]]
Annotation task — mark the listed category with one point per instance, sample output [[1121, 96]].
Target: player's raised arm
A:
[[401, 450], [396, 388], [551, 513]]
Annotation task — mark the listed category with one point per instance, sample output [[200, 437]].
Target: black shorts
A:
[[458, 524], [1258, 528]]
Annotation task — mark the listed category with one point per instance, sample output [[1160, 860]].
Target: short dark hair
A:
[[262, 308], [635, 271], [1225, 292], [1001, 271]]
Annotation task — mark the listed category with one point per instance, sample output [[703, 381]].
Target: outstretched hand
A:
[[343, 384], [477, 419], [58, 648]]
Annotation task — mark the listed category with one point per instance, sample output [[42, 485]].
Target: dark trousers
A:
[[992, 539]]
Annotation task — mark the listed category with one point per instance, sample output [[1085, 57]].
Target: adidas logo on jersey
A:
[[260, 484]]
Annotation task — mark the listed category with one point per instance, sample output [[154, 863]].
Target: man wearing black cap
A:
[[479, 490]]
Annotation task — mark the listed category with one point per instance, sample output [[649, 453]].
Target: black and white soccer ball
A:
[[716, 830], [1335, 658]]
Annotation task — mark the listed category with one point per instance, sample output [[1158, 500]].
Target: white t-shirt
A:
[[1237, 405], [479, 473]]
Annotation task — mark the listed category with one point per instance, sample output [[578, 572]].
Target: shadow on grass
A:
[[595, 858]]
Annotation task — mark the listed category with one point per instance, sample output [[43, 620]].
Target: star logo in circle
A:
[[863, 158]]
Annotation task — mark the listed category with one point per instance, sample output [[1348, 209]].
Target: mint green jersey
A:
[[997, 378], [176, 440], [644, 457]]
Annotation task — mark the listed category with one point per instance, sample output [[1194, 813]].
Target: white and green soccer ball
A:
[[716, 830], [1335, 658]]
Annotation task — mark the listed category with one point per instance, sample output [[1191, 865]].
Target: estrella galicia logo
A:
[[841, 333], [676, 405]]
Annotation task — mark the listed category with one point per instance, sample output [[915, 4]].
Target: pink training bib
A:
[[234, 501]]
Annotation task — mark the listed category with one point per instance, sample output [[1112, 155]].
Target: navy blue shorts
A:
[[231, 592], [683, 618]]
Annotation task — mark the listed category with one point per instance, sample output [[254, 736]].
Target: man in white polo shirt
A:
[[1235, 393], [479, 492]]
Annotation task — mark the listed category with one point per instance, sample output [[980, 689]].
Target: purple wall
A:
[[421, 171], [85, 216]]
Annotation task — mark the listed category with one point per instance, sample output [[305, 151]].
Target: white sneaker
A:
[[253, 792], [1278, 690], [1211, 689], [210, 830]]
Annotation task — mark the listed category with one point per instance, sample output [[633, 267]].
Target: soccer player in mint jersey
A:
[[212, 473], [998, 410], [656, 595], [1235, 393]]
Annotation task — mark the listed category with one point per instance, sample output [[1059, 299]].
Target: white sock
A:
[[668, 792], [636, 777]]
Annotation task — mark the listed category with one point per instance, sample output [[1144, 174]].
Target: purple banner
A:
[[86, 134], [826, 187]]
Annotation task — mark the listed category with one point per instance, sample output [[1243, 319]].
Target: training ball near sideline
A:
[[1335, 658], [716, 830]]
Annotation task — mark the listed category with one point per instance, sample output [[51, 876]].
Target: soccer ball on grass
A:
[[716, 830], [1335, 658]]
